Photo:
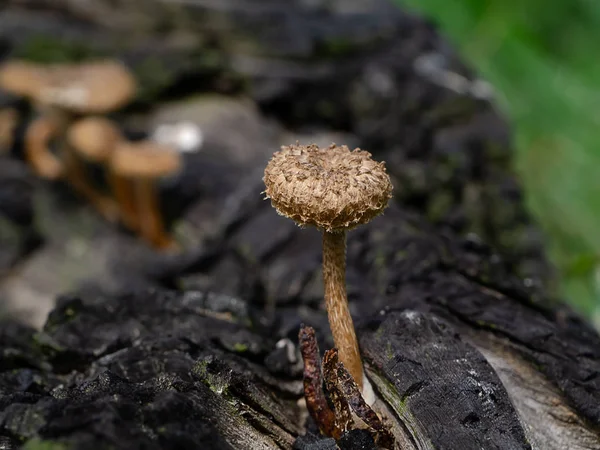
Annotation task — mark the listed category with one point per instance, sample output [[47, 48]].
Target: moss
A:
[[336, 47], [439, 205], [214, 382], [401, 408], [39, 444], [43, 343], [484, 324], [389, 350], [240, 347], [46, 49], [153, 76]]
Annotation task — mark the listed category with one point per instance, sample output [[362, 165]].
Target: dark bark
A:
[[463, 361], [199, 350]]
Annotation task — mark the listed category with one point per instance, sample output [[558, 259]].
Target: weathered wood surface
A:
[[199, 350], [464, 360]]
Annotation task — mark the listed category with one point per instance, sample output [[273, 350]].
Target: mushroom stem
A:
[[150, 220], [77, 176], [122, 189], [336, 301], [37, 141]]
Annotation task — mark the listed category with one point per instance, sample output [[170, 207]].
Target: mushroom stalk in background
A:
[[136, 169], [92, 141], [9, 118], [122, 190], [38, 136], [334, 189], [62, 93]]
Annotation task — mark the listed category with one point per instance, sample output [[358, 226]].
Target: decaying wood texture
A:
[[458, 359], [463, 342]]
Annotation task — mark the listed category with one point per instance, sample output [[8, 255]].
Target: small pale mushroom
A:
[[136, 168], [93, 140], [62, 93], [94, 87], [25, 79], [71, 90], [37, 141], [22, 78], [334, 189]]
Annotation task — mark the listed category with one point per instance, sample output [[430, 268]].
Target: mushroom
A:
[[38, 136], [62, 92], [92, 141], [69, 90], [94, 87], [22, 78], [334, 189], [135, 167]]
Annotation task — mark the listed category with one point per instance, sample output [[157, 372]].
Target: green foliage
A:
[[542, 58]]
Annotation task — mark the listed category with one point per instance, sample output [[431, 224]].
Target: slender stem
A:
[[122, 189], [151, 223], [78, 176], [336, 301], [37, 140]]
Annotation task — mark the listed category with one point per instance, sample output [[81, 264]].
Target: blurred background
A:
[[224, 83], [541, 58]]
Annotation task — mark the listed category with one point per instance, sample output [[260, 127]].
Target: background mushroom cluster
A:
[[72, 139]]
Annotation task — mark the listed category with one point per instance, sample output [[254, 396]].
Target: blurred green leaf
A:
[[542, 58]]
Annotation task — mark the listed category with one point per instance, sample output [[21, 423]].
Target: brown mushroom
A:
[[94, 87], [69, 90], [334, 189], [37, 140], [22, 78], [92, 141], [62, 92], [136, 167]]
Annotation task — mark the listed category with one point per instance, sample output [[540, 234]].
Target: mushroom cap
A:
[[22, 78], [89, 88], [331, 188], [94, 138], [145, 159]]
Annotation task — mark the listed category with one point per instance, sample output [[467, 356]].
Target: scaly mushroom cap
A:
[[332, 188], [145, 159], [22, 78], [89, 88], [95, 138]]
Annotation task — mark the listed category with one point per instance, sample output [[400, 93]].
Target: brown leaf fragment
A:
[[316, 402], [343, 416], [383, 437]]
